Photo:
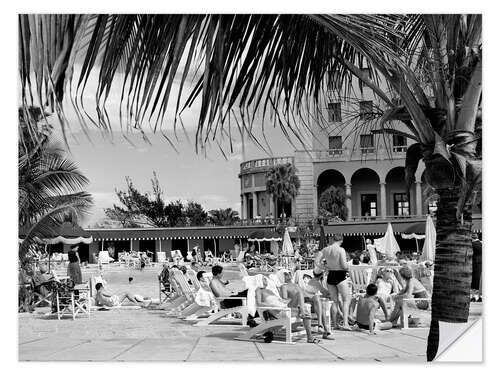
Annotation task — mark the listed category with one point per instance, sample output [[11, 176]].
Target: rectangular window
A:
[[401, 205], [334, 112], [335, 145], [366, 109], [398, 143], [366, 143], [368, 205]]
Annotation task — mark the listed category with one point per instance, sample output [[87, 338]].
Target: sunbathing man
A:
[[220, 289], [112, 300], [295, 294], [367, 307], [335, 258]]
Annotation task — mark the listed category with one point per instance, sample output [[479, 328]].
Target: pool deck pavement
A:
[[147, 335]]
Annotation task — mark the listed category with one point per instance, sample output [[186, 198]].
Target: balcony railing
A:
[[360, 153], [388, 217], [397, 149], [265, 162]]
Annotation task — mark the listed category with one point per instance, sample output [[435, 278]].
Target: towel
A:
[[252, 283], [204, 298]]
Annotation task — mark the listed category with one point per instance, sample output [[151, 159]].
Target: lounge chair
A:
[[187, 294], [104, 257], [360, 277], [286, 323]]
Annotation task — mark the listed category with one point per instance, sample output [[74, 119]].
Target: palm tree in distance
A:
[[283, 184], [50, 185], [284, 65], [223, 216]]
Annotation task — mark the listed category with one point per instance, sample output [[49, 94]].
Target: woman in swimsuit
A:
[[413, 289], [336, 263]]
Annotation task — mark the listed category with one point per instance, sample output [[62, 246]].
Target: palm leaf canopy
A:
[[240, 66]]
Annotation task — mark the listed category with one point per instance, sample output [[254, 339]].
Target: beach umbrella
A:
[[387, 245], [66, 233], [287, 248], [429, 249], [414, 232]]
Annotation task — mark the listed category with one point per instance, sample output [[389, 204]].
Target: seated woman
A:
[[385, 283], [295, 296], [412, 289]]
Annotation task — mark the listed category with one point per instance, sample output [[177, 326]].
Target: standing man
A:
[[334, 257]]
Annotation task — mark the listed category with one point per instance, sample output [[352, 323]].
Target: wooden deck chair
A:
[[176, 299], [285, 328], [104, 257], [164, 286], [219, 316], [360, 277], [187, 291]]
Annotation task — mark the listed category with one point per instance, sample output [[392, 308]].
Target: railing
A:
[[265, 162], [397, 149], [387, 217], [360, 153]]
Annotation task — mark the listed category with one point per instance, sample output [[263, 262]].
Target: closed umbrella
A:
[[387, 245], [287, 248], [429, 249]]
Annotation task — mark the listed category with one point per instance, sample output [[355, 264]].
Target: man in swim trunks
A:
[[334, 257], [112, 300]]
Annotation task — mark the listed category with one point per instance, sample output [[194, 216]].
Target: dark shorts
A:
[[364, 326], [336, 277], [229, 303]]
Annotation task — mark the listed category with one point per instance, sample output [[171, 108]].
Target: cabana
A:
[[66, 233], [264, 236]]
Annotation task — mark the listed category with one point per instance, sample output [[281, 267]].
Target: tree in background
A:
[[195, 213], [332, 203], [50, 185], [223, 216], [283, 183]]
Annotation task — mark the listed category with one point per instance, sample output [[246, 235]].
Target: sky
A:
[[206, 177], [211, 180]]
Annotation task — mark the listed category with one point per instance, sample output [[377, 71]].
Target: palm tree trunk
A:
[[452, 267]]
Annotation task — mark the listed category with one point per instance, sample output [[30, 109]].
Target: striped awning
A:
[[190, 233], [379, 228]]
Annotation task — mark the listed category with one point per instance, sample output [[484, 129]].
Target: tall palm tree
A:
[[282, 183], [283, 64], [223, 216], [50, 185]]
